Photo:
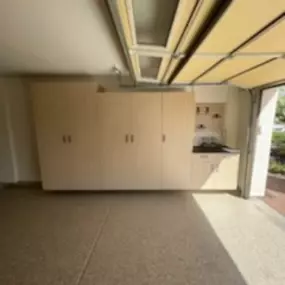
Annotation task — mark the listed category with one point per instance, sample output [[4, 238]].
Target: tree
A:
[[280, 108]]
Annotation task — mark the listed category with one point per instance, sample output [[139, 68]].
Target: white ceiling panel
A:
[[57, 36]]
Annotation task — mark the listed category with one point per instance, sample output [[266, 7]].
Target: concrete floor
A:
[[138, 238]]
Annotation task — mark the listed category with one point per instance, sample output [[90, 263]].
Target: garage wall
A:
[[245, 103], [18, 143], [262, 143], [7, 173], [212, 94]]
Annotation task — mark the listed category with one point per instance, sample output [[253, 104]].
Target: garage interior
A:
[[132, 134]]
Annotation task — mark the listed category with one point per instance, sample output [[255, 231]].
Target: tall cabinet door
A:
[[117, 151], [84, 137], [51, 113], [178, 111], [146, 131]]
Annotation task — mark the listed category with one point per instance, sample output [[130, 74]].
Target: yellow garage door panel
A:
[[203, 11], [123, 11], [271, 72], [241, 20], [231, 67], [201, 14], [194, 68], [184, 10], [272, 40], [182, 15]]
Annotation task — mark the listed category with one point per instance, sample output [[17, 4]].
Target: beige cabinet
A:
[[200, 172], [146, 140], [84, 139], [214, 171], [178, 113], [112, 141], [52, 130], [66, 116], [118, 155], [226, 168]]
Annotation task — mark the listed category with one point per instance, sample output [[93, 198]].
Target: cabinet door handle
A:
[[69, 138], [132, 138], [127, 138], [63, 139], [163, 138]]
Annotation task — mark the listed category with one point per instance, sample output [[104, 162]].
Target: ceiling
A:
[[239, 42], [58, 36]]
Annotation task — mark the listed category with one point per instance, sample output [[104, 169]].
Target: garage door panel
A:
[[195, 67], [231, 67], [203, 11], [242, 20], [272, 40], [265, 74]]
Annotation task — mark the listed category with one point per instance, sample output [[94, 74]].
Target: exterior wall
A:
[[261, 152], [18, 145]]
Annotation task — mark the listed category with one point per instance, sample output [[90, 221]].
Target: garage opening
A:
[[275, 186]]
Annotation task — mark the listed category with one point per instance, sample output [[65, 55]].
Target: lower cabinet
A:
[[218, 171]]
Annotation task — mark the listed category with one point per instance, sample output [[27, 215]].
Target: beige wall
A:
[[232, 117], [18, 145], [7, 173], [243, 135]]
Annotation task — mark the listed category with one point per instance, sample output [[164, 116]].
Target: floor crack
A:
[[93, 247]]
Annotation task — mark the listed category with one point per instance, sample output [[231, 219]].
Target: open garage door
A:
[[236, 42]]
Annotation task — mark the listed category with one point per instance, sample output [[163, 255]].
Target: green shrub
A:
[[278, 139], [276, 167]]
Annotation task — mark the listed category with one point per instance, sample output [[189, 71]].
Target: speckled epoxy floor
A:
[[131, 238]]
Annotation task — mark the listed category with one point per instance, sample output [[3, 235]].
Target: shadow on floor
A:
[[109, 239]]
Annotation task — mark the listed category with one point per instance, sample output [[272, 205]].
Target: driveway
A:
[[275, 193]]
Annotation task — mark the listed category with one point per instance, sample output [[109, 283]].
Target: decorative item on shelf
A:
[[217, 116], [197, 110], [200, 127], [207, 110]]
